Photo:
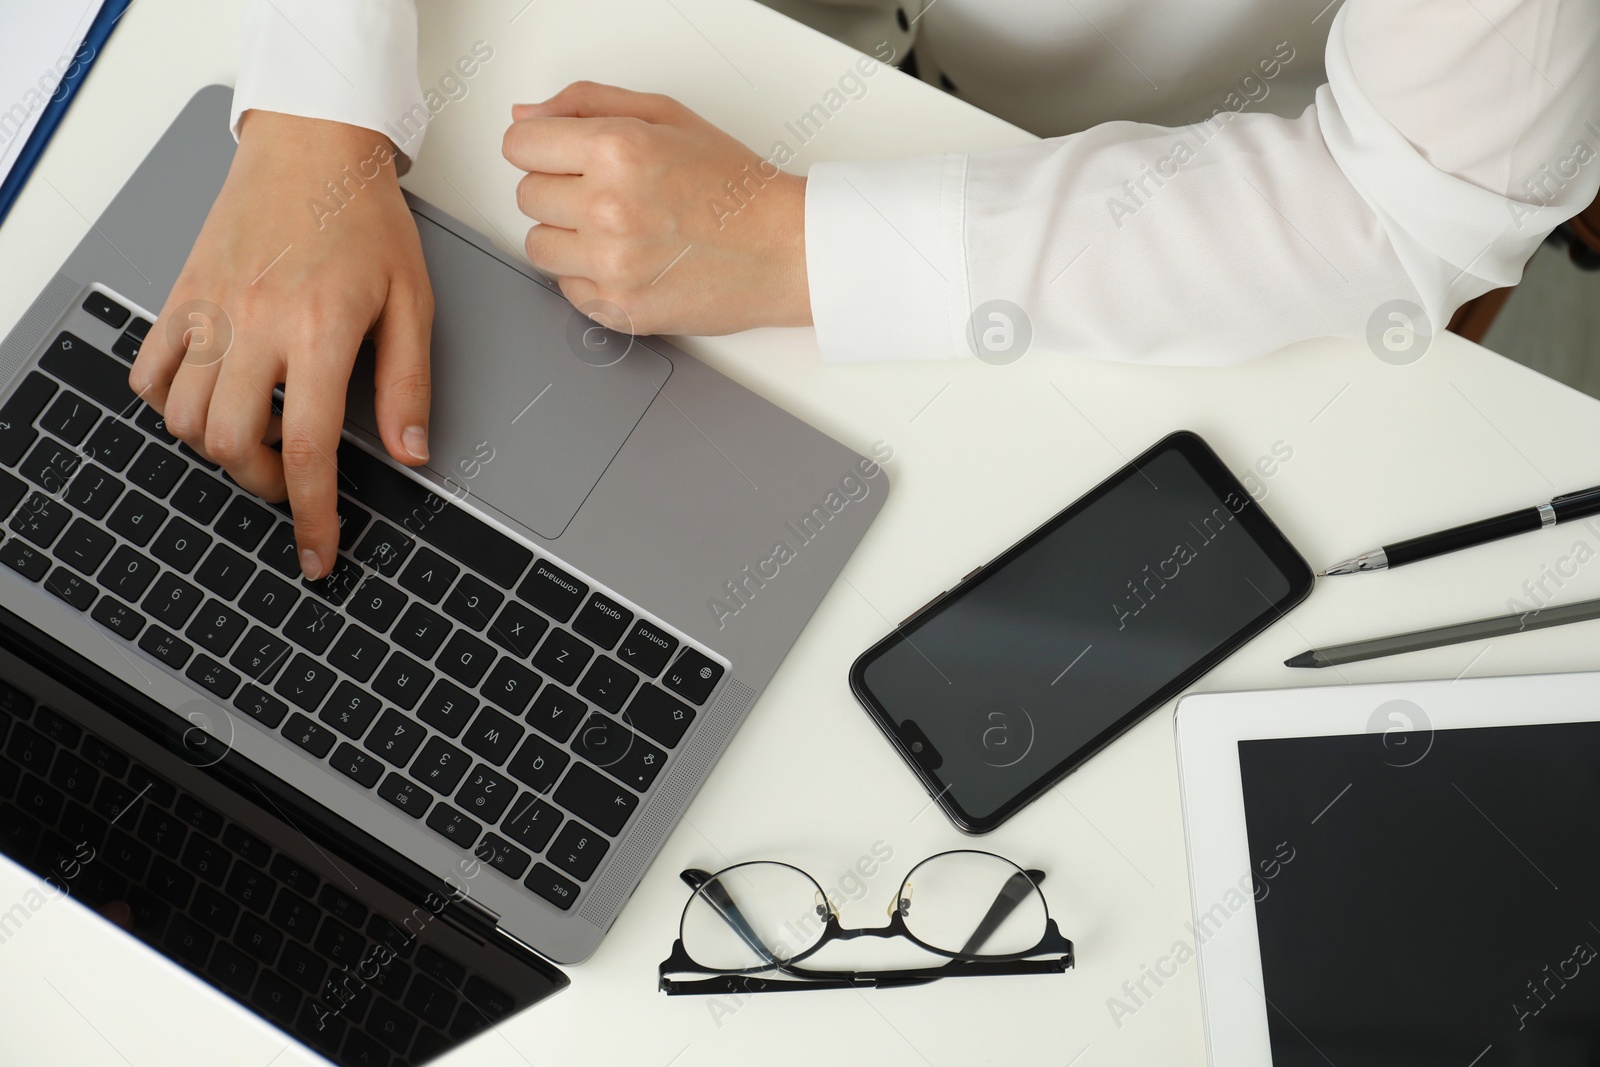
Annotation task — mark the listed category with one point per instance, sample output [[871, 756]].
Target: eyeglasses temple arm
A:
[[1014, 892], [708, 886]]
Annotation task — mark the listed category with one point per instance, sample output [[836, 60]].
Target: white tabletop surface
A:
[[981, 455]]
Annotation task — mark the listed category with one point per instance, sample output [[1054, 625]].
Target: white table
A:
[[981, 454]]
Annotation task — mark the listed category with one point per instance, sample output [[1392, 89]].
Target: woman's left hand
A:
[[650, 215]]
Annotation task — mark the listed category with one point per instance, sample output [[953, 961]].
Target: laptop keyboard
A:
[[492, 696], [208, 893]]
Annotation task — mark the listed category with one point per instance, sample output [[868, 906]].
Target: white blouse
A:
[[1220, 177]]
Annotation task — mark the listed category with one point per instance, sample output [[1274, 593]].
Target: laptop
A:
[[492, 712]]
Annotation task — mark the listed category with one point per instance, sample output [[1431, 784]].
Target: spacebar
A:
[[444, 525]]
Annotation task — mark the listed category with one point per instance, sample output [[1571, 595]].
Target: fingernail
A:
[[310, 563], [415, 438]]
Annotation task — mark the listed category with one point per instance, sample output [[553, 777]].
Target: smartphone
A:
[[1035, 661]]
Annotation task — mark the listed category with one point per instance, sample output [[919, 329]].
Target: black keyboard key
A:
[[473, 602], [70, 417], [25, 561], [74, 777], [136, 517], [32, 751], [50, 465], [384, 549], [212, 675], [206, 858], [268, 598], [259, 655], [104, 757], [105, 309], [150, 913], [658, 715], [90, 371], [245, 844], [624, 755], [454, 825], [402, 680], [340, 944], [18, 413], [389, 1023], [155, 790], [395, 738], [93, 491], [216, 627], [342, 906], [532, 821], [578, 850], [596, 799], [189, 453], [405, 795], [552, 590], [244, 523], [492, 736], [358, 652], [199, 816], [377, 603], [162, 831], [200, 497], [562, 656], [693, 676], [261, 705], [447, 707], [313, 626], [441, 523], [429, 575], [538, 763], [336, 586], [154, 423], [128, 573], [305, 684], [230, 968], [465, 658], [117, 617], [556, 713], [12, 490], [315, 739], [180, 545], [276, 998], [258, 939], [510, 685], [485, 794], [440, 766], [602, 620], [57, 727], [427, 999], [356, 764], [491, 1002], [294, 876], [172, 600], [113, 801], [280, 552], [359, 1050], [41, 801], [214, 911], [113, 443], [350, 710], [517, 629], [502, 855], [74, 589], [126, 347], [188, 942], [40, 519], [295, 916], [608, 683], [421, 631], [553, 887], [224, 571], [157, 470]]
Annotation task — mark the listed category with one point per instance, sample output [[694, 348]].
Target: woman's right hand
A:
[[309, 247]]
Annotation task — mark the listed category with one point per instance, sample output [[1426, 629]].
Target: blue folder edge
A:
[[88, 51]]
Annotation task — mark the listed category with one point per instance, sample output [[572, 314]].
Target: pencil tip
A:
[[1304, 659]]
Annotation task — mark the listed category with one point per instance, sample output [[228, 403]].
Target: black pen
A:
[[1560, 509]]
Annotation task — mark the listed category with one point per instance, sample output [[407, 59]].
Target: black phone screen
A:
[[1107, 611]]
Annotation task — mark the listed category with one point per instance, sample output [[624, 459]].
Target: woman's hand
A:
[[644, 205], [308, 248]]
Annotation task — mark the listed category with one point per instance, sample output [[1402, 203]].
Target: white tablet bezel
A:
[[1209, 727]]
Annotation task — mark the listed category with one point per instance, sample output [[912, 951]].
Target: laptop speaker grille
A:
[[661, 814], [42, 314]]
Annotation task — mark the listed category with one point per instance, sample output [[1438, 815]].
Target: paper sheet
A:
[[39, 46]]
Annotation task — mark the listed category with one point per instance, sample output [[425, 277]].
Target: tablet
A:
[[1396, 873], [1040, 658]]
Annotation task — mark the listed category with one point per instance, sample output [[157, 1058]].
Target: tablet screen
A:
[[1440, 903], [1066, 639]]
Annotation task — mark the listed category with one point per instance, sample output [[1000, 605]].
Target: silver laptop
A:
[[532, 651]]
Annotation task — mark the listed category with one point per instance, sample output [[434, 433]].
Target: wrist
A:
[[295, 141], [792, 295]]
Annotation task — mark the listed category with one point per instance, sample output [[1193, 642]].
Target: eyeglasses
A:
[[981, 912]]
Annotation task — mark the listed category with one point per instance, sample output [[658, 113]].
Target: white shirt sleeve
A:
[[351, 61], [1449, 140]]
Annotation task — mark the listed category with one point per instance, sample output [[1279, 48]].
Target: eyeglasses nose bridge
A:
[[901, 904]]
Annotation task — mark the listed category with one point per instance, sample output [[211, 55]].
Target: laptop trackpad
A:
[[519, 419]]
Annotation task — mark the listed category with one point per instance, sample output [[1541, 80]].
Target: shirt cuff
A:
[[885, 259], [350, 61]]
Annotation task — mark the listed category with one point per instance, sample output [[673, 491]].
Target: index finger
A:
[[557, 145], [313, 415]]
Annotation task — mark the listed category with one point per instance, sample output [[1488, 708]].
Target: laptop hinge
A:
[[471, 917]]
